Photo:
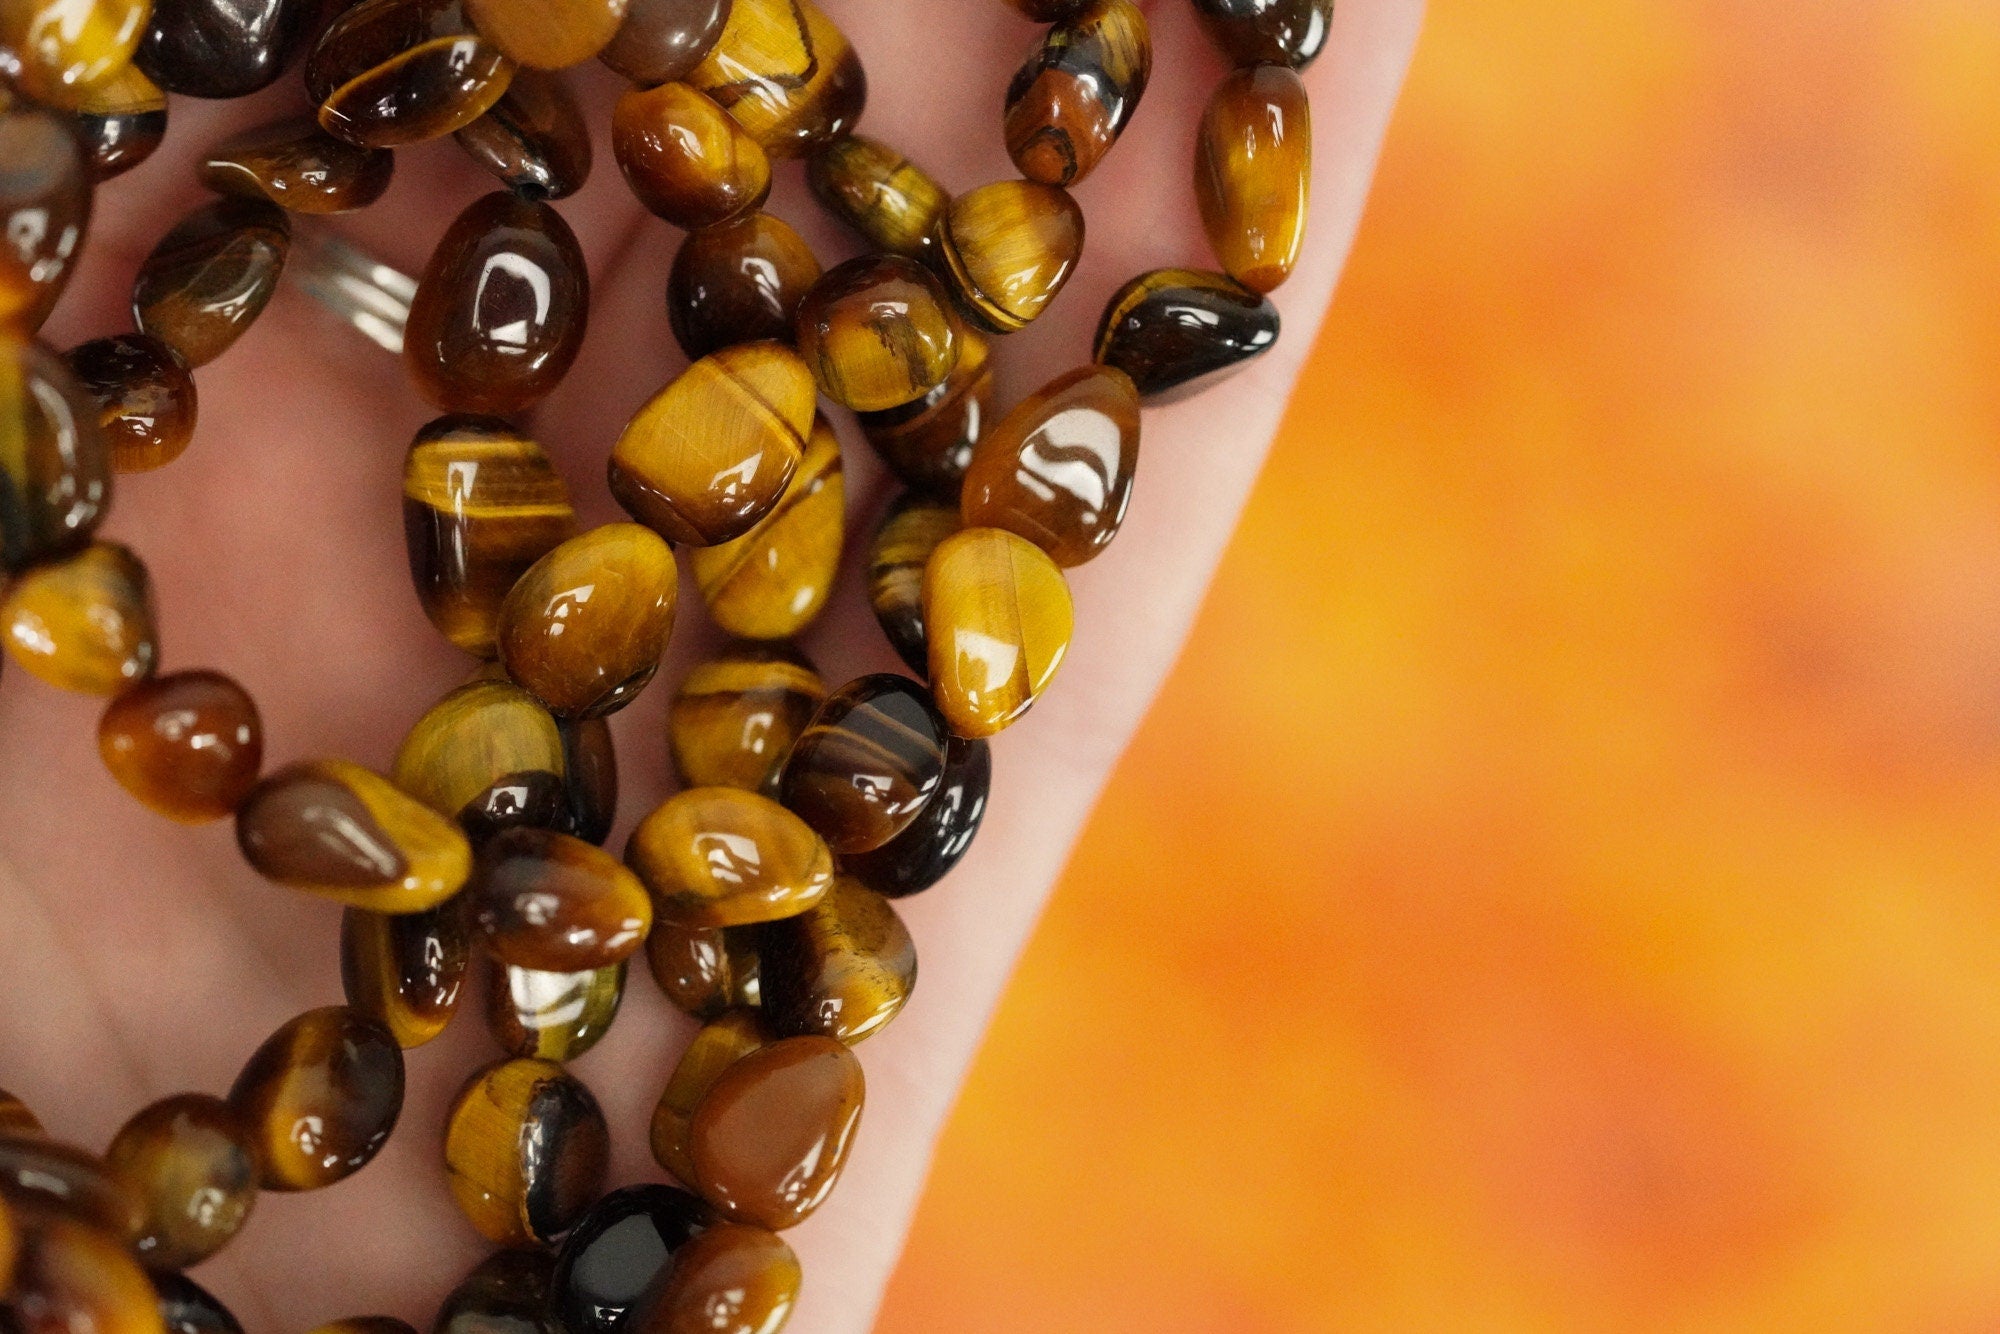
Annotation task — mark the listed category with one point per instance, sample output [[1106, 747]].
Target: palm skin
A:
[[141, 958]]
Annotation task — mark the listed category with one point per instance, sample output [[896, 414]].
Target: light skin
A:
[[141, 958]]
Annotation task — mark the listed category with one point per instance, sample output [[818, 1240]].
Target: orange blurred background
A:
[[1577, 911]]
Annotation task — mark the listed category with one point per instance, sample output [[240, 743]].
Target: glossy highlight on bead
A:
[[998, 616], [340, 831], [1059, 468], [737, 714], [320, 1097], [525, 1151], [584, 628], [189, 745], [1178, 331]]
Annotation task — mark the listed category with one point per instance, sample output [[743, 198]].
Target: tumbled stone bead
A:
[[586, 625], [506, 1293], [85, 622], [1058, 469], [720, 856], [489, 756], [45, 198], [223, 48], [17, 1119], [663, 40], [867, 763], [299, 167], [1268, 32], [1253, 173], [730, 1279], [406, 972], [1076, 93], [685, 157], [146, 401], [881, 194], [189, 1158], [842, 968], [719, 1044], [787, 74], [320, 1096], [929, 442], [1009, 248], [552, 1016], [391, 72], [209, 278], [937, 839], [738, 282], [39, 1176], [591, 789], [338, 830], [626, 1240], [547, 34], [481, 504], [554, 903], [120, 122], [1177, 331], [737, 713], [189, 745], [704, 970], [1050, 11], [188, 1308], [57, 49], [711, 453], [55, 474], [525, 1151], [534, 138], [772, 581], [998, 616], [71, 1277], [878, 332], [901, 548], [770, 1136]]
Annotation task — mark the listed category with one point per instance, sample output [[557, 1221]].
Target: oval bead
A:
[[867, 763], [738, 282], [189, 745], [55, 480], [1177, 331], [592, 786], [85, 622], [506, 1293], [45, 198], [1009, 248], [901, 548], [685, 158], [340, 831], [704, 970], [299, 167], [406, 972], [924, 853], [41, 1176], [547, 34], [1253, 174], [786, 73], [209, 278], [773, 1131], [663, 40], [146, 401], [773, 581], [190, 1160], [715, 1047], [1058, 469], [60, 48], [626, 1240], [713, 451], [72, 1277], [120, 122], [489, 756], [188, 1308], [320, 1097], [392, 72], [223, 48], [720, 856], [841, 969], [892, 202], [586, 625], [730, 1279], [737, 713], [998, 616], [556, 904], [534, 139], [1076, 93], [878, 332], [552, 1016], [525, 1151], [1268, 32], [929, 443]]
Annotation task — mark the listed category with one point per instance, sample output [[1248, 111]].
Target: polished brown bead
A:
[[190, 1159], [120, 122], [146, 402], [728, 1279], [189, 745], [341, 831], [937, 839], [85, 622], [1009, 248], [738, 282], [842, 968], [552, 1016], [685, 158], [591, 790], [17, 1119], [719, 1044], [58, 49], [711, 453], [299, 167], [737, 714], [1268, 32], [586, 625], [71, 1277], [1076, 93], [1050, 11], [770, 1136], [704, 970], [786, 73], [547, 34], [867, 763], [881, 194], [1177, 331], [209, 278], [392, 72], [771, 582], [406, 972], [45, 197], [998, 618], [1058, 469], [613, 1255], [901, 548], [189, 1308], [878, 332], [39, 1176], [55, 473], [1253, 173], [489, 756], [366, 1324], [929, 443], [550, 902], [224, 48], [720, 856], [525, 1151], [506, 1293], [534, 138], [663, 40], [321, 1096]]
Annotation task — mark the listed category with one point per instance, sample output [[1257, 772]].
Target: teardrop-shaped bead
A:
[[772, 1133], [392, 72], [1253, 174], [1058, 469], [190, 1159], [685, 158], [704, 970], [663, 40], [209, 278], [626, 1241], [929, 443], [891, 201], [534, 138], [547, 34], [867, 763], [55, 480], [489, 756], [842, 969], [525, 1151], [552, 1016], [878, 332], [718, 1045], [1076, 93], [406, 972], [506, 1293], [786, 73], [1268, 32], [188, 1308], [45, 198], [729, 1279], [337, 830], [720, 856], [223, 48], [1009, 248], [585, 627], [85, 622], [998, 615], [738, 282], [120, 122], [60, 48], [591, 788], [189, 745], [737, 713], [771, 582], [70, 1276], [146, 400], [901, 548], [320, 1096], [1177, 331], [937, 839], [301, 168], [554, 903]]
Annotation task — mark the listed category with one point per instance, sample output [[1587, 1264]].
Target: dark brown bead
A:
[[585, 627], [406, 972], [718, 1045], [190, 1159], [1073, 98], [321, 1096], [39, 1175], [1050, 11], [209, 278], [929, 443], [534, 138], [626, 1240], [730, 1279], [556, 904], [922, 854], [299, 167], [507, 1293], [57, 48], [720, 856], [773, 1131], [867, 763], [704, 970], [1253, 174], [552, 1016], [499, 314], [685, 158], [189, 745], [188, 1308], [1009, 248], [365, 1324], [121, 122], [223, 48], [739, 282], [392, 72], [337, 830], [1177, 331], [737, 713], [591, 787], [842, 968], [901, 548], [72, 1277], [773, 581], [146, 402], [786, 73], [85, 622], [16, 1118], [55, 483], [547, 34], [1268, 32], [663, 40], [878, 332], [998, 617], [881, 194], [1058, 469], [487, 755], [45, 196], [525, 1151]]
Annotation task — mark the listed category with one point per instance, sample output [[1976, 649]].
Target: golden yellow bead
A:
[[998, 615], [771, 582]]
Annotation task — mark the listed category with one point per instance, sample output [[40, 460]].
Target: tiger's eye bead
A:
[[713, 451], [406, 972], [922, 854], [366, 1324], [1268, 32], [842, 968], [525, 1151], [685, 158], [554, 903], [84, 623], [120, 122], [878, 332], [704, 969], [299, 167], [626, 1240], [786, 73], [720, 856], [55, 473], [534, 139], [552, 1016], [320, 1096], [392, 72], [1058, 469], [189, 1158], [223, 48], [772, 581], [39, 1176], [188, 1308], [770, 1136], [338, 830], [929, 443], [1009, 248], [902, 547], [45, 197], [17, 1120], [72, 1277], [547, 34], [719, 1044], [1177, 331], [189, 745], [729, 1279], [146, 402], [591, 792], [738, 282], [209, 278], [506, 1293], [881, 194], [1253, 173], [867, 763], [737, 714], [663, 40], [59, 49], [1073, 98], [586, 625], [487, 755], [998, 616]]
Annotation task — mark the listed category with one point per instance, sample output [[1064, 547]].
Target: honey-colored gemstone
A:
[[17, 1119], [901, 548], [547, 34], [189, 745], [366, 1324], [685, 157], [209, 278], [713, 451], [737, 714], [146, 402], [190, 1159], [120, 122], [224, 48], [626, 1240], [392, 72], [1050, 11], [58, 49], [39, 1176], [998, 616], [55, 469], [867, 763], [1076, 93], [729, 1279], [878, 332], [506, 1293], [720, 856], [738, 282], [534, 138], [881, 194], [929, 443], [842, 968], [719, 1044], [770, 1136], [189, 1308], [934, 842], [1253, 173], [663, 40], [338, 830], [592, 787], [552, 1016], [1268, 32], [586, 625], [1009, 248], [85, 622], [487, 755], [704, 969], [772, 581], [320, 1096], [525, 1151], [1058, 469], [550, 902], [1177, 331], [786, 73], [72, 1277], [406, 972], [301, 168], [45, 197]]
